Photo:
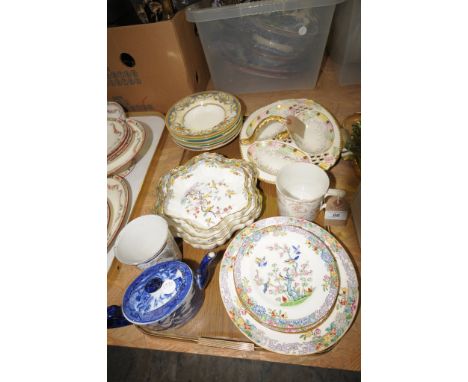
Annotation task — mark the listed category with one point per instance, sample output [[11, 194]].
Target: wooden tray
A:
[[212, 320]]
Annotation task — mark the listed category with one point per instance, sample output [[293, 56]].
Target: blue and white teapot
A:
[[164, 296]]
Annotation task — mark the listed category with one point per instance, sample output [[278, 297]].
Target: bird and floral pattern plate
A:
[[286, 277], [297, 107], [318, 339]]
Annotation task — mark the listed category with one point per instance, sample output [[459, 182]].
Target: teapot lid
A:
[[157, 292]]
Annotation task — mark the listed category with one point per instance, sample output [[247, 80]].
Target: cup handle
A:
[[332, 192], [263, 123]]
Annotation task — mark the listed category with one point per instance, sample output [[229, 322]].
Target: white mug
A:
[[146, 241], [301, 189]]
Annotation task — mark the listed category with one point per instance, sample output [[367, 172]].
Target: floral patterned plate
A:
[[286, 277], [295, 107], [117, 132], [316, 340], [135, 144], [203, 114], [117, 201], [270, 156]]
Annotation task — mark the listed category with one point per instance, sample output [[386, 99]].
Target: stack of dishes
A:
[[289, 286], [125, 138], [275, 45], [209, 198], [118, 197], [205, 121]]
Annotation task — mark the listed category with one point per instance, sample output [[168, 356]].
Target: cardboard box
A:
[[151, 66]]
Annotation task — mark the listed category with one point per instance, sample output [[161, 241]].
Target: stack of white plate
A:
[[125, 138], [209, 198], [204, 121], [289, 286]]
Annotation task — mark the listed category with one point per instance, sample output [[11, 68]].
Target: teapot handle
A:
[[202, 274], [115, 318]]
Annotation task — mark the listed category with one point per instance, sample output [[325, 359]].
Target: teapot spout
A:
[[203, 272]]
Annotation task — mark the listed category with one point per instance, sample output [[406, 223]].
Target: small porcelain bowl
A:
[[146, 241]]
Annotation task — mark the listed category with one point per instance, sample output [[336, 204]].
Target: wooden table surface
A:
[[212, 320]]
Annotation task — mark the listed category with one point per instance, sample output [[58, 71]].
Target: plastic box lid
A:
[[202, 11]]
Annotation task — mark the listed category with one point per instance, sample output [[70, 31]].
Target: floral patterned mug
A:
[[301, 189]]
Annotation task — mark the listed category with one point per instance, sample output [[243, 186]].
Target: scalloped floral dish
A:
[[209, 196]]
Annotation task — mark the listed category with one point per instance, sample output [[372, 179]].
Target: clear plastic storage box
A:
[[345, 42], [264, 45]]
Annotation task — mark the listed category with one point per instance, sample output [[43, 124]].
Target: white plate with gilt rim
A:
[[313, 341], [203, 114], [118, 201], [270, 156], [134, 146], [286, 277], [283, 108]]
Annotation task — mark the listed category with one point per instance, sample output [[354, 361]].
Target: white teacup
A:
[[146, 241], [301, 189]]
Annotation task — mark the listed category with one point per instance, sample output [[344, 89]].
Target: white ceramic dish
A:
[[270, 156], [203, 114], [118, 201], [117, 132], [312, 341], [125, 158], [283, 108]]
